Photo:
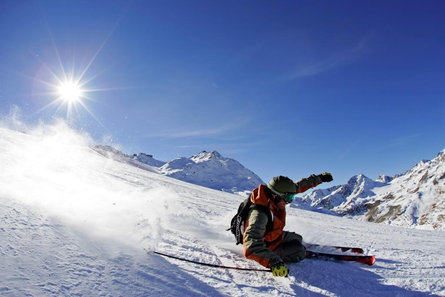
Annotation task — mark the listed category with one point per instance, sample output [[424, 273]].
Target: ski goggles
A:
[[289, 197]]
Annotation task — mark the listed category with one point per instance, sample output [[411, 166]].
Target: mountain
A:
[[207, 169], [135, 160], [414, 198], [210, 169], [74, 222], [147, 159], [339, 198]]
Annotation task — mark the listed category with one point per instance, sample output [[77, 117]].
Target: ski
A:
[[364, 259], [344, 249], [210, 264]]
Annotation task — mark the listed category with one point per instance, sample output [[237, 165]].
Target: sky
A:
[[284, 87]]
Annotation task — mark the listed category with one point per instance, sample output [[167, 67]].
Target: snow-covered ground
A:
[[75, 223]]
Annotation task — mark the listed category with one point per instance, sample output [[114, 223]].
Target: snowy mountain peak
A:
[[361, 183], [206, 156], [384, 179], [212, 170], [440, 156], [416, 197], [208, 169], [147, 159], [359, 179], [342, 197]]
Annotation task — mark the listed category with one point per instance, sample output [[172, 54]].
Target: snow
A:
[[74, 222], [415, 198], [148, 159], [212, 170], [208, 169]]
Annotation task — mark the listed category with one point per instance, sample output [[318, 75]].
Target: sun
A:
[[66, 82], [66, 79], [70, 92]]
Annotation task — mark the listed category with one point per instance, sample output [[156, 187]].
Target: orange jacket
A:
[[259, 241], [263, 196]]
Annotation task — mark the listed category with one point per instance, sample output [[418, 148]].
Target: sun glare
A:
[[67, 85], [70, 92], [66, 81]]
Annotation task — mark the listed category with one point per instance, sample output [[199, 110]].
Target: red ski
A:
[[368, 260], [344, 249]]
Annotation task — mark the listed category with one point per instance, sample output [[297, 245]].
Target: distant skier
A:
[[266, 242]]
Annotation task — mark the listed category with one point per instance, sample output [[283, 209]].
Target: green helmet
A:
[[281, 185]]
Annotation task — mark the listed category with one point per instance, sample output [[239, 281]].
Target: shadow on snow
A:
[[314, 276]]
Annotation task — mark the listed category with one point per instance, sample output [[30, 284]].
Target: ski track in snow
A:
[[74, 223]]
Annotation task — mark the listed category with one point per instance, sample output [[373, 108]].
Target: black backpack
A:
[[237, 223]]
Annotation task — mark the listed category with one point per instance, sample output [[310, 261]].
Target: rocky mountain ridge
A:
[[414, 198]]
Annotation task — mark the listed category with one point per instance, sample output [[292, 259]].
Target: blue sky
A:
[[284, 87]]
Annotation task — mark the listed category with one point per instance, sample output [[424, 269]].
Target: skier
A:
[[265, 242]]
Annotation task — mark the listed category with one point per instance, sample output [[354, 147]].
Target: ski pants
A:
[[291, 249]]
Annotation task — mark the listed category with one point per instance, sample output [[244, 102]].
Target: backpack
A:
[[237, 222]]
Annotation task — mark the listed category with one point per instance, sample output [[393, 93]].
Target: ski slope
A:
[[75, 223]]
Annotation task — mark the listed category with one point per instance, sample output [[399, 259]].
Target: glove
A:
[[279, 270], [326, 177]]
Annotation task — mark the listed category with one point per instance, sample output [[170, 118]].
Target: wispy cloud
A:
[[330, 62], [404, 140], [204, 132], [198, 132], [230, 146]]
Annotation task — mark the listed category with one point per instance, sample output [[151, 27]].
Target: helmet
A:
[[282, 185]]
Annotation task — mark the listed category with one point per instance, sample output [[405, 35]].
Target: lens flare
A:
[[70, 92]]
